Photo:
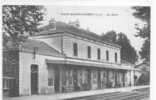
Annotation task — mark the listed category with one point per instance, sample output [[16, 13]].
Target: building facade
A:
[[64, 58]]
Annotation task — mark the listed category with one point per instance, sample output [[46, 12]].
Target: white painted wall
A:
[[56, 42], [26, 59], [53, 41], [82, 49], [132, 78], [127, 78]]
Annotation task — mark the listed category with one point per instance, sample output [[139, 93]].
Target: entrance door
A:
[[34, 79], [57, 80]]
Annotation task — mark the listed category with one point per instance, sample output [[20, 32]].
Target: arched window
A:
[[89, 51], [107, 55], [75, 49], [98, 53], [116, 58]]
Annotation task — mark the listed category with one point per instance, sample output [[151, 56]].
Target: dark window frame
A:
[[89, 51], [107, 55], [6, 84], [116, 57], [98, 54], [75, 49], [50, 81]]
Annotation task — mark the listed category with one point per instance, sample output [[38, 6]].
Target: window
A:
[[75, 49], [116, 57], [98, 54], [5, 83], [80, 77], [50, 77], [50, 81], [64, 77], [107, 55], [89, 52], [70, 73], [95, 77]]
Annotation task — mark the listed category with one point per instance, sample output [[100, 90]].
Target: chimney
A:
[[75, 23], [52, 24], [88, 29]]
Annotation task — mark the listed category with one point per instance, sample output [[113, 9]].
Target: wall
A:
[[132, 78], [67, 46], [82, 49], [26, 59], [53, 41]]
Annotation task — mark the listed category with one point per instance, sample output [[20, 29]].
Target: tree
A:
[[143, 13], [20, 21], [128, 53], [109, 36]]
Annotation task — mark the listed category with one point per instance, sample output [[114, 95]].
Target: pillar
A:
[[132, 77], [60, 81]]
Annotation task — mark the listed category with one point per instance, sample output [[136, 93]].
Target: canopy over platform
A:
[[90, 64]]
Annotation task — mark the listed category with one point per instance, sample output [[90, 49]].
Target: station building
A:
[[64, 58]]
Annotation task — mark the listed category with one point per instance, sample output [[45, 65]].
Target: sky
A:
[[99, 19]]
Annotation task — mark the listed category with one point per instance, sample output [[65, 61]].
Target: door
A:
[[57, 80], [34, 79]]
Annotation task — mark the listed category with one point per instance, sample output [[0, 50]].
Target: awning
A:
[[89, 64]]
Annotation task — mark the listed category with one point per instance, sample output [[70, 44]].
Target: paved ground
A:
[[104, 94], [133, 95], [146, 98]]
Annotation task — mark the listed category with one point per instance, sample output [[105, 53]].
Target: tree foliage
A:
[[145, 50], [128, 53], [109, 36], [20, 21], [144, 14]]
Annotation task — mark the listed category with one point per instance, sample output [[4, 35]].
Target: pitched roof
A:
[[64, 27], [41, 48]]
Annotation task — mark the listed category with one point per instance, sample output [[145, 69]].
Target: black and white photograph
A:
[[60, 52]]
